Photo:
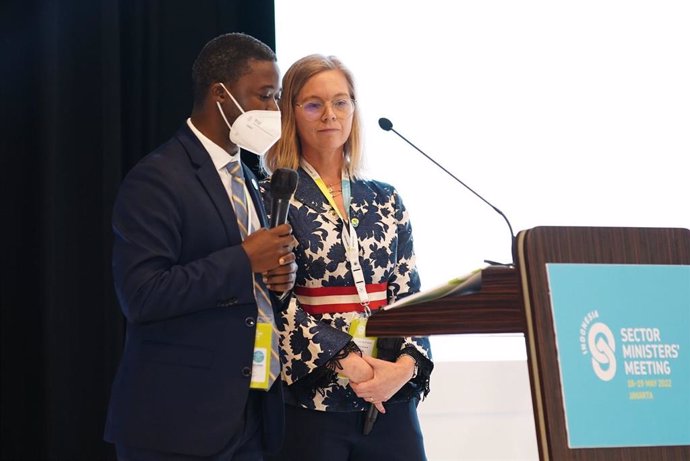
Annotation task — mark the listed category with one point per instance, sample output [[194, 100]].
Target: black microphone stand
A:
[[387, 125]]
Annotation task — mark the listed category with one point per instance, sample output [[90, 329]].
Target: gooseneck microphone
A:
[[283, 185], [387, 125]]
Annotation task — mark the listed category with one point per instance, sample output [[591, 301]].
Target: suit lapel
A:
[[208, 176], [253, 188]]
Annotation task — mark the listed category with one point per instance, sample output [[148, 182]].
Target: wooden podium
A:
[[516, 300]]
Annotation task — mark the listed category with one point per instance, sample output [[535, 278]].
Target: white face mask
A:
[[254, 130]]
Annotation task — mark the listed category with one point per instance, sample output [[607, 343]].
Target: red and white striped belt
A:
[[329, 300]]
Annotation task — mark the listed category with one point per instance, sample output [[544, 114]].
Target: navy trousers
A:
[[337, 436], [245, 445]]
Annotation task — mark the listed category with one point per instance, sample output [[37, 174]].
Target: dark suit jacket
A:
[[185, 287]]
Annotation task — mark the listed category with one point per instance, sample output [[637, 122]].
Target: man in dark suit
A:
[[185, 274]]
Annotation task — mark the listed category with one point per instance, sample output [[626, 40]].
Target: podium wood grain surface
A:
[[495, 308], [516, 300], [590, 245]]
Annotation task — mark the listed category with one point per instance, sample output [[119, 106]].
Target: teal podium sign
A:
[[623, 340]]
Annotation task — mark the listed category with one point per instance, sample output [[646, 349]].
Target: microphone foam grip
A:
[[385, 124], [283, 183]]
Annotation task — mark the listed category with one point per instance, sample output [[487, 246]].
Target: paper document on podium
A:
[[466, 284]]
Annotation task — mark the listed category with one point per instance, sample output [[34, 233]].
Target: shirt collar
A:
[[219, 156]]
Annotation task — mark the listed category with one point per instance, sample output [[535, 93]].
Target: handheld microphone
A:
[[283, 185], [387, 125]]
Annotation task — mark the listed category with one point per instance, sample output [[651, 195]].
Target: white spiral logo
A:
[[602, 345]]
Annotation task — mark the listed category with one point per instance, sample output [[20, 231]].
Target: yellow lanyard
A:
[[349, 236]]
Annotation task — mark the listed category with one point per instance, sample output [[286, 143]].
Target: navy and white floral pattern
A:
[[384, 234]]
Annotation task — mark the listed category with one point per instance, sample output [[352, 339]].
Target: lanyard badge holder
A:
[[358, 325], [263, 341], [357, 330]]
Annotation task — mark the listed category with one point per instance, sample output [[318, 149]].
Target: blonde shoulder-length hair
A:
[[286, 152]]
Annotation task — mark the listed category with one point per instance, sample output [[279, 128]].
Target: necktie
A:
[[263, 302]]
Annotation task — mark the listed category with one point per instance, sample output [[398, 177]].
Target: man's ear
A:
[[217, 92]]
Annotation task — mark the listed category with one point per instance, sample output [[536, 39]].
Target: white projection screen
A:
[[558, 113]]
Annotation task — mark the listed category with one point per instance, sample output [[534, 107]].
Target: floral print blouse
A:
[[309, 342]]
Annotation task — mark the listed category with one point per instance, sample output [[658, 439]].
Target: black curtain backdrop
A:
[[87, 89]]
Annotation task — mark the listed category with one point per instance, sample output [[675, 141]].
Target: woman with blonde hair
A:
[[354, 255]]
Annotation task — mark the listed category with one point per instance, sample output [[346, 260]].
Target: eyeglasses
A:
[[313, 109]]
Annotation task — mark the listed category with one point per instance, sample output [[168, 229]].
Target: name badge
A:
[[367, 344], [261, 365], [358, 328]]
